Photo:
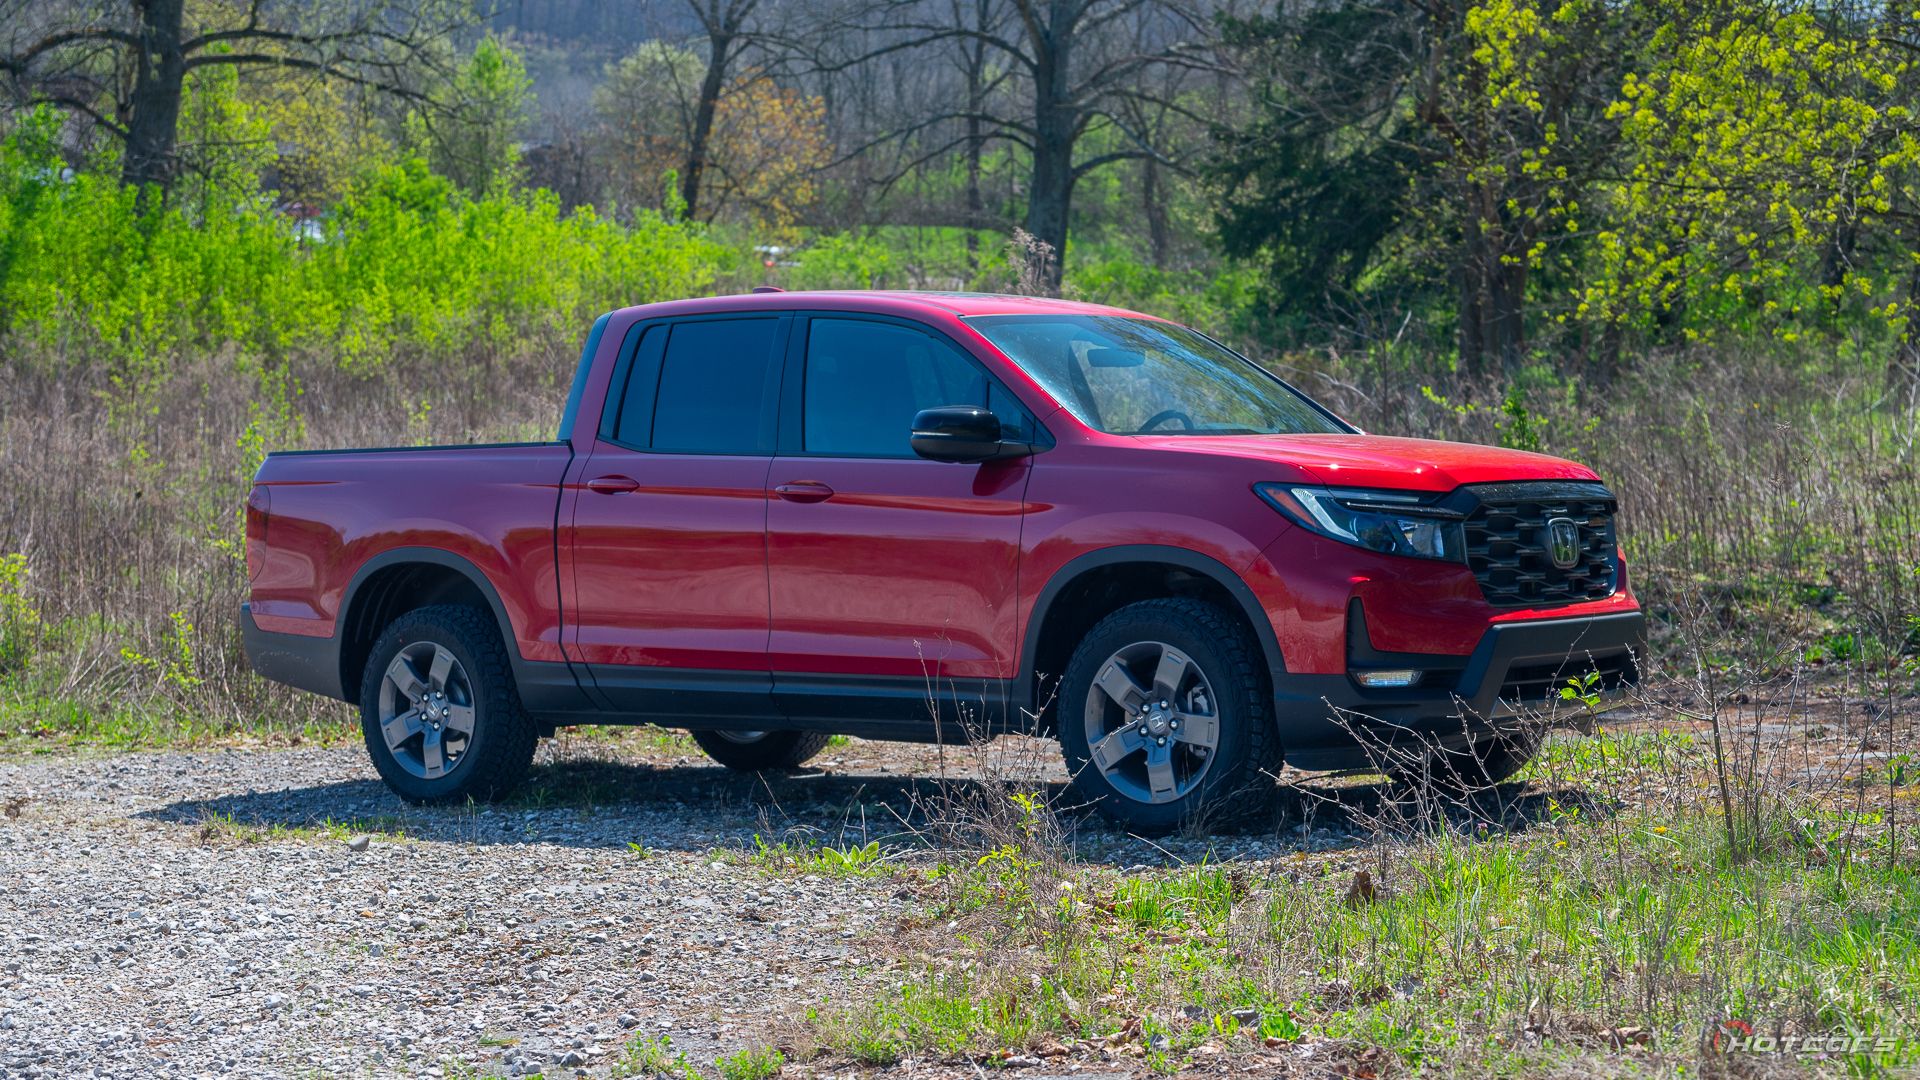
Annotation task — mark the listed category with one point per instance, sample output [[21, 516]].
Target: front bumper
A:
[[1518, 668]]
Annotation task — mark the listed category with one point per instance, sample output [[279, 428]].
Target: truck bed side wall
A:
[[492, 506]]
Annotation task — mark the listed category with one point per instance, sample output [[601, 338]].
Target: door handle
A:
[[804, 491], [613, 485]]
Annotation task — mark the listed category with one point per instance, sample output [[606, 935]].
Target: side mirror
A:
[[963, 433]]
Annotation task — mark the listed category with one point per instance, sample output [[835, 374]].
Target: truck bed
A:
[[330, 512]]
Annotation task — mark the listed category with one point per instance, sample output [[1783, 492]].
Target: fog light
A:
[[1391, 678]]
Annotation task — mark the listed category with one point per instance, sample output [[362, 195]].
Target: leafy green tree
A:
[[1771, 179], [474, 136], [1405, 155], [125, 64]]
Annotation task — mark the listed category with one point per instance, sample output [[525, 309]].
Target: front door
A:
[[670, 615], [890, 576]]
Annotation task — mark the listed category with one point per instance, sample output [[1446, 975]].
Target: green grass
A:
[[654, 1056], [386, 826], [807, 857], [754, 1063], [1491, 955], [35, 723]]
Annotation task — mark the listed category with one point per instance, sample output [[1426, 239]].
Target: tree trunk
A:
[[1155, 208], [160, 72], [1056, 125], [718, 46], [1493, 291], [976, 102]]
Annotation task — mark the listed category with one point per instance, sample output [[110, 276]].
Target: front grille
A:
[[1509, 549]]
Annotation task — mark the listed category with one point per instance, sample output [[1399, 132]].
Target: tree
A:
[[1073, 67], [764, 141], [1402, 150], [124, 64], [472, 136], [729, 29], [768, 142], [1770, 179], [643, 105]]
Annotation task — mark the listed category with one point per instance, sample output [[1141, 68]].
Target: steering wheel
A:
[[1165, 415]]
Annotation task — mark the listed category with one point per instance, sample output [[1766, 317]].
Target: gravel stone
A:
[[155, 923]]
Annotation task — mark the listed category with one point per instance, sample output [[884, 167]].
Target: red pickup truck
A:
[[773, 517]]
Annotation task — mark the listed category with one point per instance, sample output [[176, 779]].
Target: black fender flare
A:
[[437, 557], [545, 687], [1204, 565]]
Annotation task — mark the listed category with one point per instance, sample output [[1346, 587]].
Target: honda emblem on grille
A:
[[1563, 542]]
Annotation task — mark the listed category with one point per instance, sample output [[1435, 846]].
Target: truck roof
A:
[[961, 304]]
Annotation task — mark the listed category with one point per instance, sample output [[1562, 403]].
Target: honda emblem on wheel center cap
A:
[[1563, 542]]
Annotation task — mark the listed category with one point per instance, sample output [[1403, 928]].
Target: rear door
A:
[[888, 573], [669, 531]]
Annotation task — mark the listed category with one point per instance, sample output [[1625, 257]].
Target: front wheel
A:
[[442, 719], [760, 751], [1164, 716]]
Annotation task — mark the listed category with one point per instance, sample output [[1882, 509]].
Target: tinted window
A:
[[866, 380], [1138, 376], [628, 418], [713, 384]]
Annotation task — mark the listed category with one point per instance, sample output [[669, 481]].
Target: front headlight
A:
[[1390, 522]]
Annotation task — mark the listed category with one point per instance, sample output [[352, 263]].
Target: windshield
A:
[[1128, 376]]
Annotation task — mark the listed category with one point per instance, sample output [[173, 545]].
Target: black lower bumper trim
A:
[[306, 663], [1324, 718]]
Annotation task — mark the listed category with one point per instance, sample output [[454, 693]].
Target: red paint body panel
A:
[[1379, 461], [674, 572], [490, 505], [910, 567]]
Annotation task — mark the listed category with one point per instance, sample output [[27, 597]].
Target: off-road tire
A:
[[772, 751], [504, 736], [1247, 756]]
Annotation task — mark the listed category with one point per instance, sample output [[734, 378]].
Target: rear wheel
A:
[[758, 751], [438, 708], [1164, 715]]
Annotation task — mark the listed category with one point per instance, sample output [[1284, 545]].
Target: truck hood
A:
[[1382, 461]]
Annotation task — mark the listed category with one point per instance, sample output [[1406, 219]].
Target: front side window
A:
[[713, 387], [1128, 376], [865, 381]]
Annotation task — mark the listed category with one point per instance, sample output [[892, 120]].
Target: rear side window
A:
[[713, 387], [866, 380]]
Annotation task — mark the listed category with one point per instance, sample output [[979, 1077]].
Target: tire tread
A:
[[505, 750]]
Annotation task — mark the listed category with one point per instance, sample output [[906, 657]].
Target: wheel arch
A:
[[399, 580], [1090, 586]]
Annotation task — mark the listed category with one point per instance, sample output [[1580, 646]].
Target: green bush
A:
[[19, 619], [407, 266]]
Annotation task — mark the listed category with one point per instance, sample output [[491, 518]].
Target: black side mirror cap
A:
[[963, 433]]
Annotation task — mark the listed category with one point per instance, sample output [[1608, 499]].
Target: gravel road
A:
[[207, 913]]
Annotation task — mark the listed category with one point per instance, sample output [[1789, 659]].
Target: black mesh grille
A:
[[1510, 551]]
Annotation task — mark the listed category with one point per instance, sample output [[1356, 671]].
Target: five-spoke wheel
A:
[[1174, 715], [438, 707], [1151, 722], [426, 710]]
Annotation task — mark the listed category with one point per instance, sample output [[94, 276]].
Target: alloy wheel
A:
[[426, 710], [1152, 722]]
